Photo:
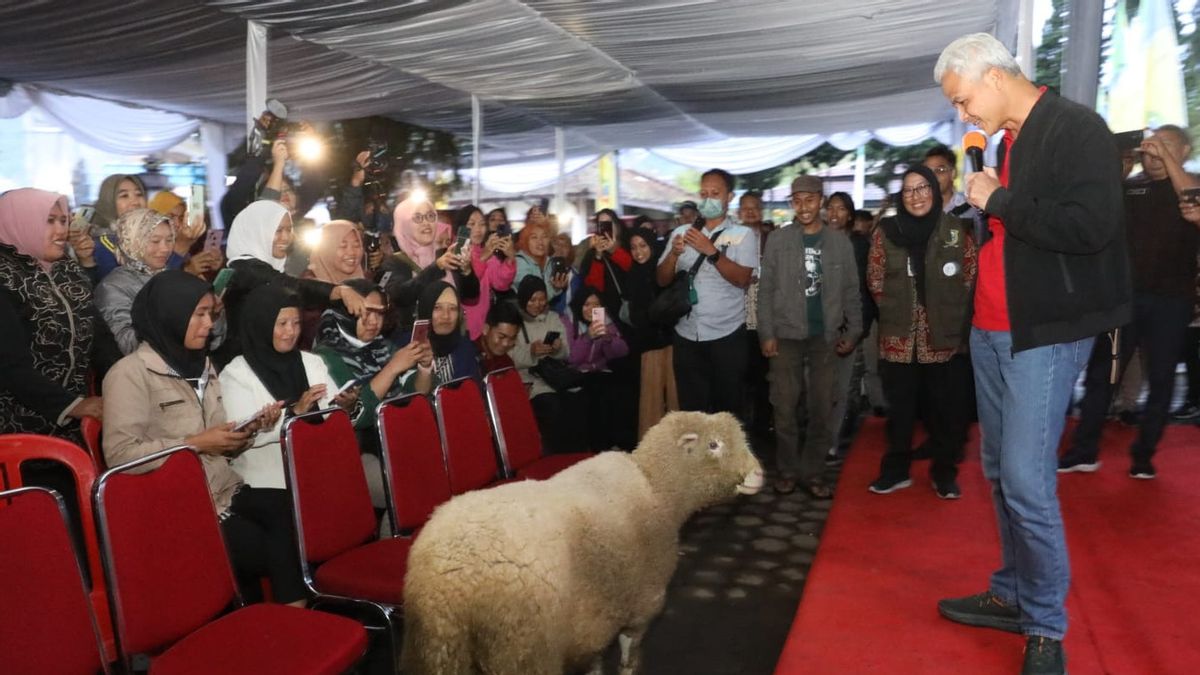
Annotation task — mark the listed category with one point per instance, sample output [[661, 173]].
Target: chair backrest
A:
[[91, 427], [46, 625], [466, 437], [414, 465], [332, 503], [166, 563], [512, 418], [15, 450]]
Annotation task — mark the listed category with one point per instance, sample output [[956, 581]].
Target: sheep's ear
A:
[[687, 442]]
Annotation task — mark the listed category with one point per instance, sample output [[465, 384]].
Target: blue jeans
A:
[[1023, 400]]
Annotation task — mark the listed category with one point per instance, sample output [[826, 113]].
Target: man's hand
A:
[[770, 348], [1154, 147], [677, 244], [980, 186], [698, 241], [359, 175], [1190, 211], [844, 347], [279, 153]]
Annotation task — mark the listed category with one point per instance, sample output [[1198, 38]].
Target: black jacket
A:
[[1066, 259]]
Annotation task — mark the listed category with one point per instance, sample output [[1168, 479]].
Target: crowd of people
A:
[[134, 319]]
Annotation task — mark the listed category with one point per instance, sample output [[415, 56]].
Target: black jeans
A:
[[261, 538], [1159, 326], [711, 375], [757, 409], [941, 386], [1191, 358], [560, 421]]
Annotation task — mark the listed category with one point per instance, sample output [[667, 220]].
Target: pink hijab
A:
[[324, 260], [423, 255], [23, 214]]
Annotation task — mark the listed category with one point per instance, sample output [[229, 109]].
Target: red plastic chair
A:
[[517, 432], [47, 624], [343, 559], [171, 582], [15, 450], [414, 465], [466, 436], [91, 428]]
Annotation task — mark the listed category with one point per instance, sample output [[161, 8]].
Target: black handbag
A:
[[556, 373], [675, 301]]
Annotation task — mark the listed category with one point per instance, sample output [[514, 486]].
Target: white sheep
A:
[[539, 577]]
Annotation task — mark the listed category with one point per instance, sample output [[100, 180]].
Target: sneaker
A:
[[883, 486], [832, 458], [1069, 464], [984, 609], [1043, 656], [1142, 471], [947, 489], [1189, 412]]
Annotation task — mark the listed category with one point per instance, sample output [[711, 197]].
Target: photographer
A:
[[271, 132]]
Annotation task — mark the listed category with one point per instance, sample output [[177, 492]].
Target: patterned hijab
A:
[[133, 234], [252, 234], [338, 331], [323, 264], [23, 215]]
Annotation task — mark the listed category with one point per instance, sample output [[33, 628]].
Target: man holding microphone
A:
[[1054, 274]]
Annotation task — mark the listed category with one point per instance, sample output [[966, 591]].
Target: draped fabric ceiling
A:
[[614, 74]]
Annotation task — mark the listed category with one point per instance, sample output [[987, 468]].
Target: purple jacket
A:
[[588, 355]]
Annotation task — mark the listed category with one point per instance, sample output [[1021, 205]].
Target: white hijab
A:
[[253, 233]]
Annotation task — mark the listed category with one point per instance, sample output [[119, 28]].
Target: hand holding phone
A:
[[1190, 195], [349, 384], [1128, 141], [420, 331], [598, 321], [212, 242], [221, 283], [550, 338]]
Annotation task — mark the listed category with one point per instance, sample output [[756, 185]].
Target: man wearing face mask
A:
[[809, 313], [710, 349]]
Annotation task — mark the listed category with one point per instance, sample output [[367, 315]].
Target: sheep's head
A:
[[704, 458]]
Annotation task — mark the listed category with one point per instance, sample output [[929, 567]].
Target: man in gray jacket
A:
[[809, 309]]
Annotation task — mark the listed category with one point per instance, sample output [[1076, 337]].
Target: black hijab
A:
[[442, 345], [641, 275], [525, 290], [913, 233], [282, 374], [161, 313]]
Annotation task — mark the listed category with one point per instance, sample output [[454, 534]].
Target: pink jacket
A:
[[493, 274]]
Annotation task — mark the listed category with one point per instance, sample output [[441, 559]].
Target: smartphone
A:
[[83, 214], [1130, 140], [242, 424], [605, 229], [212, 240], [551, 336], [1191, 195], [196, 202], [558, 265], [699, 222], [383, 281], [464, 238], [350, 384], [420, 331], [371, 241], [221, 282], [504, 230], [598, 317]]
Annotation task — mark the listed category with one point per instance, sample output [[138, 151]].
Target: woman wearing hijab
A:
[[606, 262], [257, 250], [557, 413], [593, 346], [337, 259], [492, 259], [145, 242], [166, 394], [119, 194], [273, 369], [657, 395], [451, 354], [921, 271], [419, 262], [51, 333], [186, 234]]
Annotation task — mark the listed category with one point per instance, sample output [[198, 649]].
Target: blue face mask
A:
[[711, 208]]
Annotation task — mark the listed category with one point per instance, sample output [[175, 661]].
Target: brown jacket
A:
[[148, 408]]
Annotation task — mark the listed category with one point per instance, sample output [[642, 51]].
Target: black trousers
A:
[[938, 384], [261, 538], [757, 409], [1159, 327], [1191, 358], [560, 421], [711, 375]]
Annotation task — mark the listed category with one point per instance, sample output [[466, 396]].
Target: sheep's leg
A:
[[630, 640], [597, 666]]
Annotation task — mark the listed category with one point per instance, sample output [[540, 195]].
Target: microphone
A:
[[974, 143]]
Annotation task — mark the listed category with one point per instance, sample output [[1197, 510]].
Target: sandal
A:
[[818, 490], [784, 486]]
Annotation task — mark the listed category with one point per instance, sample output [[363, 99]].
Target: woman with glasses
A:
[[921, 272], [419, 263]]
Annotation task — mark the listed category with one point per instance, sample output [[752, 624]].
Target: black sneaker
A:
[[984, 609], [883, 486], [1043, 656], [834, 458], [1142, 471], [1189, 412], [947, 489]]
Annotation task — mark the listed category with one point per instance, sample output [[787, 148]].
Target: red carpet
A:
[[869, 605]]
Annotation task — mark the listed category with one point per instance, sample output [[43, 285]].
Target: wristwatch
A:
[[714, 257]]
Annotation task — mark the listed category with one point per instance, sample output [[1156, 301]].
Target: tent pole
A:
[[256, 72], [476, 133], [560, 182], [1025, 37], [1081, 62], [860, 176]]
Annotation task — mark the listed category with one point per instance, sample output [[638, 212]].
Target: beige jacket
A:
[[148, 408]]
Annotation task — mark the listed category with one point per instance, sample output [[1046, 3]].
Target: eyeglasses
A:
[[941, 169], [428, 217], [919, 191]]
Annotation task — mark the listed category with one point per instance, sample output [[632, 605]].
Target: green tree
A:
[[1049, 57]]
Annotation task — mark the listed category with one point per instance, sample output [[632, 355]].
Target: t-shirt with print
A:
[[813, 274]]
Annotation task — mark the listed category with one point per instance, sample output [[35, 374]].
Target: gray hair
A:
[[971, 56]]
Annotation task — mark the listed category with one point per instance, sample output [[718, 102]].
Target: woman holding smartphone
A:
[[594, 342], [493, 260], [165, 394], [605, 264], [439, 322]]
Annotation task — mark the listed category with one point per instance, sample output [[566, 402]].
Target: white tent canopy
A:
[[636, 73]]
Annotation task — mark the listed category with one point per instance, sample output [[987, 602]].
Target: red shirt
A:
[[991, 299]]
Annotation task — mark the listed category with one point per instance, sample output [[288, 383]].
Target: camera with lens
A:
[[374, 171]]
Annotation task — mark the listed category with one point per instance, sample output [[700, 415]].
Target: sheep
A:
[[539, 577]]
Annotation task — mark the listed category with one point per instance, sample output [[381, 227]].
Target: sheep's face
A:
[[711, 454]]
